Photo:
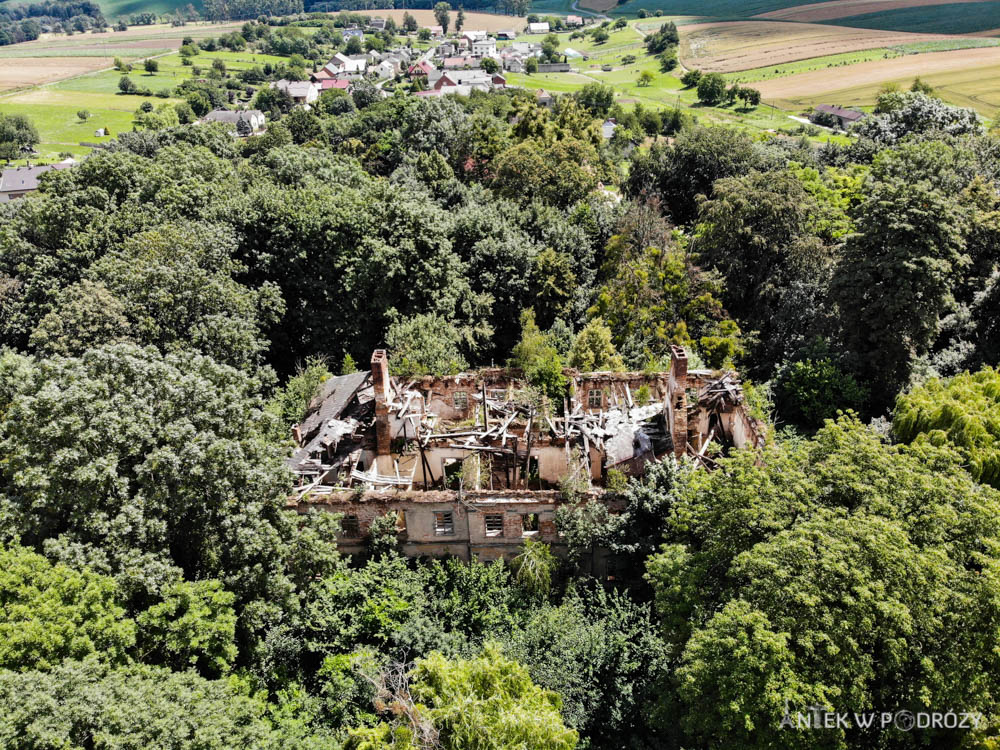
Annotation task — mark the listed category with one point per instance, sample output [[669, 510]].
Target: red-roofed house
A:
[[422, 68], [335, 83]]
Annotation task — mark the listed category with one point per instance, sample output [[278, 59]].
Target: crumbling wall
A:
[[419, 534]]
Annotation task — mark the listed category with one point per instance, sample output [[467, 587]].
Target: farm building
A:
[[17, 182], [471, 464], [541, 27], [844, 118]]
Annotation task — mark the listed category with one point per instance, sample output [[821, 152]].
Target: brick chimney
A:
[[380, 381], [678, 399]]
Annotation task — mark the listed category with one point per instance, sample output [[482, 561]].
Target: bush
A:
[[811, 390]]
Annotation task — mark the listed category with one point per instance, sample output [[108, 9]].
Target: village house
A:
[[513, 64], [484, 48], [573, 21], [301, 92], [376, 23], [473, 35], [421, 68], [352, 31], [473, 464], [436, 31], [544, 98], [507, 35], [254, 118], [17, 182], [476, 79], [343, 84], [541, 27], [458, 63], [387, 69], [843, 117], [341, 64]]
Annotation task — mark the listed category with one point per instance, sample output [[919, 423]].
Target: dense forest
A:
[[22, 23], [169, 307]]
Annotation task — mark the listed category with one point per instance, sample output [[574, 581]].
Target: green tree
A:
[[699, 156], [151, 65], [691, 78], [489, 699], [83, 115], [441, 15], [425, 345], [490, 65], [596, 98], [895, 280], [814, 388], [141, 706], [289, 403], [193, 626], [170, 470], [645, 78], [594, 350], [553, 283], [711, 88], [959, 411], [409, 23], [18, 135], [460, 19], [760, 233], [533, 568], [87, 315], [600, 652], [126, 85], [881, 591], [53, 613], [539, 360]]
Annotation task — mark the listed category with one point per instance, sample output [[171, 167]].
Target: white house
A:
[[538, 28], [474, 35], [253, 117], [484, 48], [387, 69], [301, 92], [342, 64]]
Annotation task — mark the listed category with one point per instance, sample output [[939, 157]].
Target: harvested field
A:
[[969, 78], [826, 11], [21, 72], [727, 47], [473, 21]]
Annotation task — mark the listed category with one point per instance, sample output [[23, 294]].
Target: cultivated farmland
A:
[[743, 45], [479, 21], [969, 78], [956, 18], [827, 11], [22, 72]]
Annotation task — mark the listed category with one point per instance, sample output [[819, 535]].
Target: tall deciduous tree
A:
[[894, 282]]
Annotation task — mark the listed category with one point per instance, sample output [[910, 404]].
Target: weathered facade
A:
[[472, 464]]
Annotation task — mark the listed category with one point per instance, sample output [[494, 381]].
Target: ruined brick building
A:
[[472, 463]]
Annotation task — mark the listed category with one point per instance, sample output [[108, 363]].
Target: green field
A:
[[954, 18], [53, 107]]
